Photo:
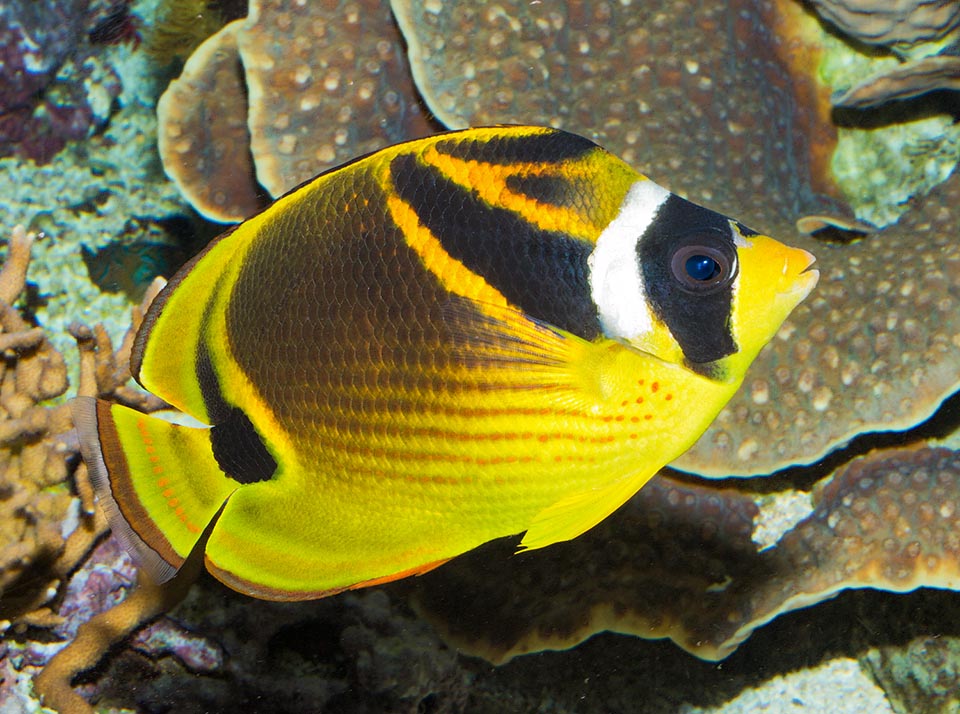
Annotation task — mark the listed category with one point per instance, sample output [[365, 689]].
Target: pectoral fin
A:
[[570, 517]]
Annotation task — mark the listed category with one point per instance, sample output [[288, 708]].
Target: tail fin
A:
[[157, 482]]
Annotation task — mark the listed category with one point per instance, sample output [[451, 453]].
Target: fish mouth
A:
[[805, 278]]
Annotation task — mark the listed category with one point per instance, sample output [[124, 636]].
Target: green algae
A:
[[881, 168], [93, 193]]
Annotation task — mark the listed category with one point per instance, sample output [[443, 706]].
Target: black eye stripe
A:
[[697, 316]]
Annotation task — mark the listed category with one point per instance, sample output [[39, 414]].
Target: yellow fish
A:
[[450, 340]]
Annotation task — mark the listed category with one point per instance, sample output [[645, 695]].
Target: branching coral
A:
[[32, 437], [38, 451], [97, 635]]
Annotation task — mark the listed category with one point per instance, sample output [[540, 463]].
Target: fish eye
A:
[[704, 269]]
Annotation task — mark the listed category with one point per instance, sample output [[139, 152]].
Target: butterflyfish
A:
[[483, 333]]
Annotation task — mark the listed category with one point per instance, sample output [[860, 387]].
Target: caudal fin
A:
[[158, 483]]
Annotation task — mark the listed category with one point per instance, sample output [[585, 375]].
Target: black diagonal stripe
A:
[[551, 190], [237, 447], [544, 273], [699, 323], [551, 147]]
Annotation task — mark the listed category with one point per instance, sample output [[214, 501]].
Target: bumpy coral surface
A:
[[292, 90], [680, 561], [53, 88]]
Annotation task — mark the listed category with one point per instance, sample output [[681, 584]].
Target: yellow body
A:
[[410, 424]]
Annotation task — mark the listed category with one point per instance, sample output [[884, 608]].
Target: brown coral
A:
[[913, 29], [206, 150], [33, 467], [912, 79], [37, 452], [37, 438], [679, 561], [299, 87], [892, 22]]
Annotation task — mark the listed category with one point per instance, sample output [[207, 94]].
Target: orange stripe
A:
[[121, 486], [169, 493], [490, 183]]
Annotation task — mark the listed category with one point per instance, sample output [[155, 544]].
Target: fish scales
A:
[[464, 337]]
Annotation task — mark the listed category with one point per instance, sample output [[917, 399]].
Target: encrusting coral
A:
[[899, 24], [912, 79], [205, 149], [680, 561], [292, 90], [180, 27], [924, 33]]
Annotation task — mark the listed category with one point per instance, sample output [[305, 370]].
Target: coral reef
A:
[[913, 79], [251, 98], [102, 190], [680, 562], [924, 34], [33, 503], [180, 27], [206, 150], [55, 88], [616, 72], [877, 348], [360, 652], [922, 677], [903, 23]]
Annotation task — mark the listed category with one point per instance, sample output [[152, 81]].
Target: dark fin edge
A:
[[246, 587], [86, 418]]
